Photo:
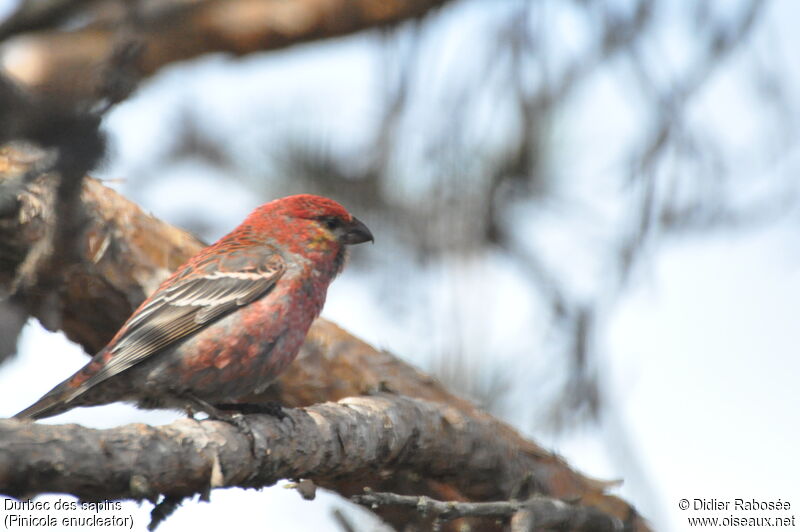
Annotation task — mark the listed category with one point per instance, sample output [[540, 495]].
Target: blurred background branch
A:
[[38, 54]]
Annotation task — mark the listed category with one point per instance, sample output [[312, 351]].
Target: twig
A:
[[445, 510], [162, 510], [536, 513], [342, 520]]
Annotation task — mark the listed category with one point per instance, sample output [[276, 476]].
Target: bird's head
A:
[[310, 225]]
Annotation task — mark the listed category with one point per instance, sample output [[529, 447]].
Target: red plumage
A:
[[227, 322]]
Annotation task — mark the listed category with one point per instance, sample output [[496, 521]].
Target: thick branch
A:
[[328, 442], [126, 253], [68, 63], [351, 439]]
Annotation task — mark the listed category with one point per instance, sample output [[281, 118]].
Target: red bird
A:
[[227, 322]]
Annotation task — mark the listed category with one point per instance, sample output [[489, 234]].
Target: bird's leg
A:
[[236, 419], [195, 404], [271, 408]]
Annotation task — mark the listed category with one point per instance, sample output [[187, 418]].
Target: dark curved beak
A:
[[356, 233]]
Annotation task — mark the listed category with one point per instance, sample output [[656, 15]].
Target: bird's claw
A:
[[237, 419], [270, 408]]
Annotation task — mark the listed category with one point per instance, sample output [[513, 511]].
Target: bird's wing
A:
[[197, 297]]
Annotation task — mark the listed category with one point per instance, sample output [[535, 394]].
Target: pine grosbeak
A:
[[227, 322]]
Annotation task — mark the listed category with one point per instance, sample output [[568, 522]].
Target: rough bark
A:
[[355, 438], [358, 438], [71, 63], [124, 254]]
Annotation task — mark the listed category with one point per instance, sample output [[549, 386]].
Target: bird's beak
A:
[[356, 233]]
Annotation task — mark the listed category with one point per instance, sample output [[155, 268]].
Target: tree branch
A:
[[352, 438]]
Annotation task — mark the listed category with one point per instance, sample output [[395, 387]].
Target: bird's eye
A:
[[332, 223]]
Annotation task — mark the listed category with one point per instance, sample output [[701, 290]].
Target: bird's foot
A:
[[239, 421], [271, 408], [236, 419]]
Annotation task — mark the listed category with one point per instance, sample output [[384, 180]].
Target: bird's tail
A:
[[54, 402]]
